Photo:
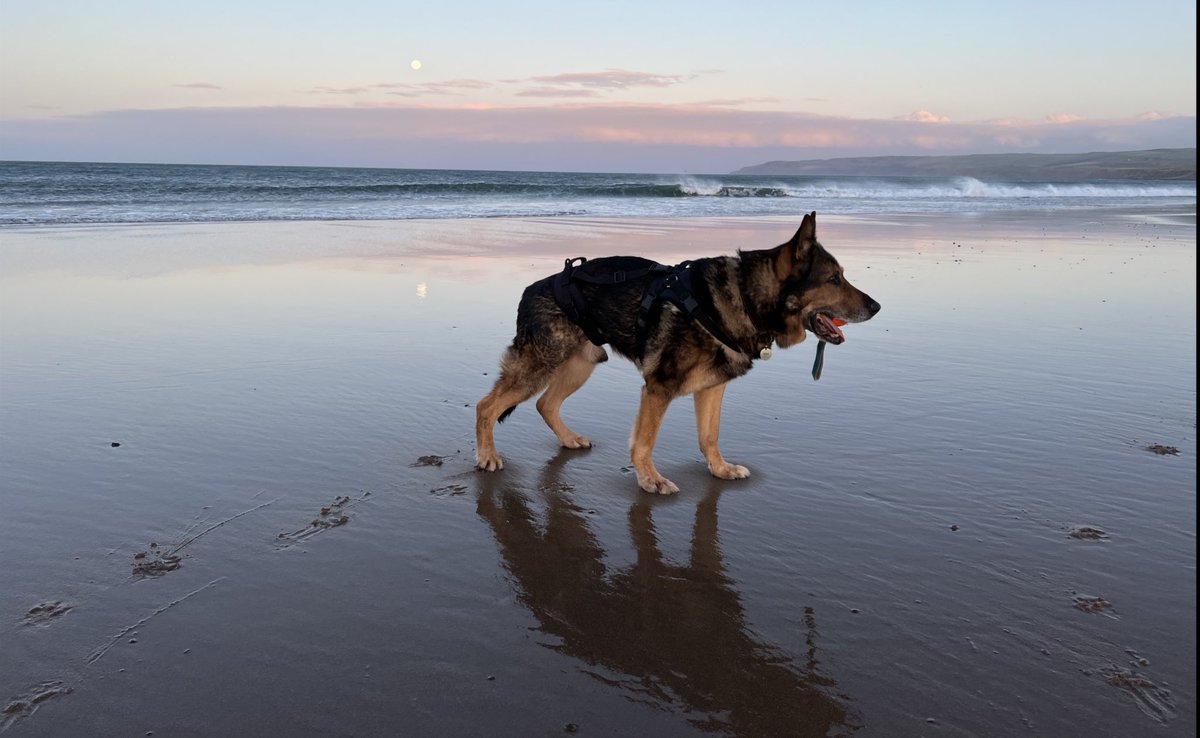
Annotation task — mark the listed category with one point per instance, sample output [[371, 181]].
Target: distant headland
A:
[[1172, 164]]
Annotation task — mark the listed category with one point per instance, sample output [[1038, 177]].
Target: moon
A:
[[416, 64]]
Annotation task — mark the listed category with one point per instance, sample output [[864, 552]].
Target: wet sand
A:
[[238, 498]]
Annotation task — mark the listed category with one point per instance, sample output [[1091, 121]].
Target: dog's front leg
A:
[[708, 427], [641, 444]]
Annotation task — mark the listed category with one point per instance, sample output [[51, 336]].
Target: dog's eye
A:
[[836, 280]]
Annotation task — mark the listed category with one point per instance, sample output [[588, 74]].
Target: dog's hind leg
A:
[[708, 427], [568, 378], [522, 375], [645, 432]]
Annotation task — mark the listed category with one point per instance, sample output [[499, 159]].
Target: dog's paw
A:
[[488, 461], [729, 471], [657, 485], [576, 441]]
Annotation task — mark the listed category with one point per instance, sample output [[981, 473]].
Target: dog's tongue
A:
[[829, 328], [832, 325]]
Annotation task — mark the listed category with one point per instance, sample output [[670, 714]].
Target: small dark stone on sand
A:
[[954, 527], [571, 728], [491, 678], [115, 444], [430, 460], [854, 610]]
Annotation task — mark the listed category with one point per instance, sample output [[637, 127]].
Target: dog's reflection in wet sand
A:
[[677, 630]]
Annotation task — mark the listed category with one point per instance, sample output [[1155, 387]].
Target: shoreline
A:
[[1183, 212]]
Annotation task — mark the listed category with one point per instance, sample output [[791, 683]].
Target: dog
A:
[[689, 329]]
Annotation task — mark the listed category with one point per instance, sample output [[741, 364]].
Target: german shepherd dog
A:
[[742, 304]]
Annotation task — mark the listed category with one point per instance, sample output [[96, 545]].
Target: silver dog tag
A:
[[765, 353]]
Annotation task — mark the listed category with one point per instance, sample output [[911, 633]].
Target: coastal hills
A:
[[1171, 164]]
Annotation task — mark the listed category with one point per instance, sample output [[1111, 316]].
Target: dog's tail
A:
[[504, 415]]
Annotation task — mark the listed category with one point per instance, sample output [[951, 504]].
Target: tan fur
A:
[[569, 377]]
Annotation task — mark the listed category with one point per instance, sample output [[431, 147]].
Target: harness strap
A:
[[618, 276], [674, 284], [677, 286], [571, 300]]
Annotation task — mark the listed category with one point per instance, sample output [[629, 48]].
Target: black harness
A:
[[673, 284]]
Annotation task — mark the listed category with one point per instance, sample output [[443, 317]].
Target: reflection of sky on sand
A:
[[1008, 387]]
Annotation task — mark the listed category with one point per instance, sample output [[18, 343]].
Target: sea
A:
[[58, 193]]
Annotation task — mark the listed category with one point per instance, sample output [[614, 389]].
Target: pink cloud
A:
[[924, 116], [408, 89], [581, 136], [1156, 115], [338, 90], [614, 79], [1064, 118], [557, 92], [735, 101]]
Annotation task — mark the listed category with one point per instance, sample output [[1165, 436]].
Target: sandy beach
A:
[[238, 496]]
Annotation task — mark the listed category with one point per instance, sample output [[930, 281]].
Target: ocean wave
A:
[[733, 191], [38, 192]]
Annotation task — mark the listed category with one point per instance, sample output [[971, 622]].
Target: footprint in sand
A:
[[1088, 533], [1153, 700], [1161, 450], [450, 490], [1088, 603], [156, 561], [430, 460], [46, 612], [329, 516], [24, 705]]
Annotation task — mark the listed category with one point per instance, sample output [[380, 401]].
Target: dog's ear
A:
[[808, 229], [796, 255]]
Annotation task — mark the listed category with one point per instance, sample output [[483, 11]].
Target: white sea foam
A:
[[969, 187]]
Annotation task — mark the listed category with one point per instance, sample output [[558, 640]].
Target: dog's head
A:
[[814, 292]]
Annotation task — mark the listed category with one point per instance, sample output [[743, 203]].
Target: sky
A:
[[691, 87]]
